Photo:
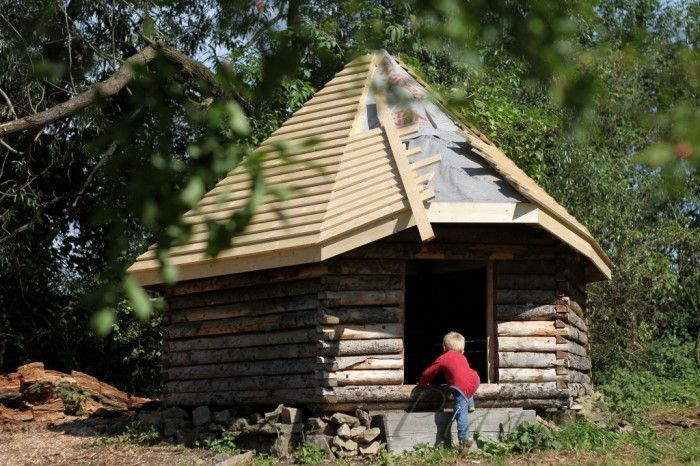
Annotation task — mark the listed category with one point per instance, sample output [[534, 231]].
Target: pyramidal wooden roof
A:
[[354, 186]]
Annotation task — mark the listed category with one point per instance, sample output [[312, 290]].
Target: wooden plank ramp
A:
[[403, 430]]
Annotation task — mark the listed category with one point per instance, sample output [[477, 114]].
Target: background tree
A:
[[116, 117]]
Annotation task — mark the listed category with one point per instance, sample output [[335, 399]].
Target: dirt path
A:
[[41, 444]]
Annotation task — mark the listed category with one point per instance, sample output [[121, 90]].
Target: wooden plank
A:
[[287, 320], [246, 308], [404, 169], [527, 375], [528, 329], [197, 357], [364, 267], [527, 359], [360, 298], [369, 377], [244, 340], [239, 383], [365, 315], [360, 347], [380, 361], [526, 282], [229, 398], [527, 267], [249, 368], [361, 332], [519, 343], [527, 312], [491, 339], [507, 296], [361, 282], [280, 290]]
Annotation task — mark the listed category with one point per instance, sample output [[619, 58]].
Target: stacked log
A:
[[542, 336], [244, 339], [360, 336]]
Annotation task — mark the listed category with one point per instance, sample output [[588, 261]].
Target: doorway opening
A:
[[444, 296]]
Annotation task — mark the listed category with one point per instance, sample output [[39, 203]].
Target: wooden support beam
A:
[[404, 169]]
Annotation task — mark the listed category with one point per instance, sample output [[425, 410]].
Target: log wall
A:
[[330, 334]]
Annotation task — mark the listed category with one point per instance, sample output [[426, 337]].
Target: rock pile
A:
[[345, 434], [33, 393]]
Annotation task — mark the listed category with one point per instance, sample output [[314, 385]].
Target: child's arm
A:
[[429, 374]]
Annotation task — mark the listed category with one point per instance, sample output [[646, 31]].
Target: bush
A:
[[308, 453]]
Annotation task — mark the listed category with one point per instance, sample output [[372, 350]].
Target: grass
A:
[[140, 434]]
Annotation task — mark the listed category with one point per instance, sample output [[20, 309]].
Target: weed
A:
[[225, 444], [308, 453], [137, 432]]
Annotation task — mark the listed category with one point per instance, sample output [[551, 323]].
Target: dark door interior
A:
[[444, 296]]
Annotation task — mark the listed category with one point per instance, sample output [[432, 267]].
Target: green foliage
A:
[[137, 433], [224, 444], [308, 453]]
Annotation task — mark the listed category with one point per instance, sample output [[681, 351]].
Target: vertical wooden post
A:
[[491, 342]]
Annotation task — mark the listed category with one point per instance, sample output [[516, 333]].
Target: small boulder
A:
[[171, 425], [273, 416], [342, 418], [150, 418], [364, 417], [222, 417], [205, 438], [201, 415], [216, 428], [356, 432], [238, 424], [175, 411], [290, 415], [343, 431], [256, 418], [371, 449], [235, 460], [346, 445], [369, 435], [321, 441], [315, 425]]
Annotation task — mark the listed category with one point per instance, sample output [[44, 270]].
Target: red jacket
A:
[[456, 371]]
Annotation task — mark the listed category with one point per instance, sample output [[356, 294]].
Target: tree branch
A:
[[117, 82]]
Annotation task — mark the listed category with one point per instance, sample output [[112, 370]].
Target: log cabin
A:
[[404, 223]]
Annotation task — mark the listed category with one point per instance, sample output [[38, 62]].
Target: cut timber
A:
[[361, 282], [522, 359], [380, 361], [527, 375], [228, 398], [287, 320], [506, 296], [361, 332], [404, 169], [365, 315], [254, 353], [369, 377], [244, 340], [528, 329], [291, 366], [361, 298], [540, 344], [246, 308], [239, 383], [525, 282], [360, 347], [578, 377], [527, 312], [579, 362]]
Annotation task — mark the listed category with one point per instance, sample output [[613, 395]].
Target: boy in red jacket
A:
[[462, 379]]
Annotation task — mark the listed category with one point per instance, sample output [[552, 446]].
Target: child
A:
[[462, 379]]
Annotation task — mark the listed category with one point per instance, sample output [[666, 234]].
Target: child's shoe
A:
[[471, 408], [465, 446]]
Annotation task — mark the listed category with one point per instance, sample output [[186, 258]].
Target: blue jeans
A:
[[461, 412]]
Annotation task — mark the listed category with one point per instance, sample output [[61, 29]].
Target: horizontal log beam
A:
[[213, 298], [261, 277], [361, 332], [582, 363], [365, 267], [365, 315], [509, 296], [239, 383], [529, 312], [527, 375], [246, 308], [244, 340], [527, 359], [519, 343], [360, 347], [528, 329], [526, 267], [380, 361], [266, 323], [369, 377], [228, 398], [256, 353], [577, 377], [525, 281], [209, 371], [360, 298], [362, 282]]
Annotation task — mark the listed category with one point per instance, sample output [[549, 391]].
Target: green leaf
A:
[[138, 298], [102, 321], [193, 192], [237, 119]]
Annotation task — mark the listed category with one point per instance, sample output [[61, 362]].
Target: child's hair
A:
[[453, 341]]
